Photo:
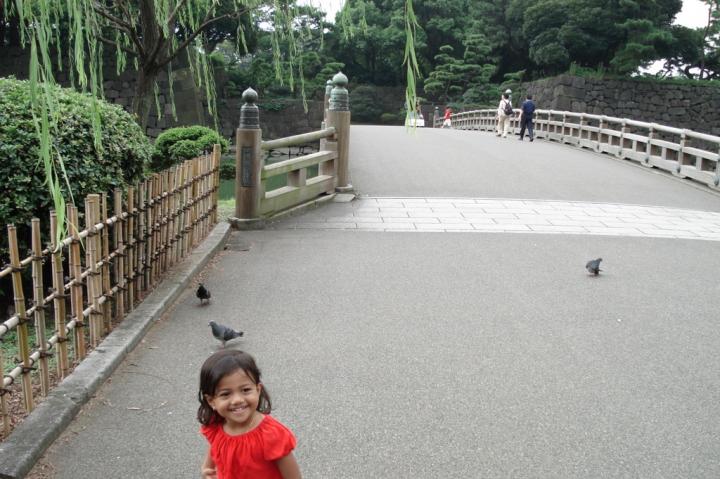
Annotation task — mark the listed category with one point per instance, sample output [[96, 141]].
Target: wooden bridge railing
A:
[[684, 153], [154, 226], [253, 201]]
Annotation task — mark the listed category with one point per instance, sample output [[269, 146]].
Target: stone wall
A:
[[695, 107]]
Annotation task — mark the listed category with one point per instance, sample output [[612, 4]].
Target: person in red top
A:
[[245, 441], [446, 121]]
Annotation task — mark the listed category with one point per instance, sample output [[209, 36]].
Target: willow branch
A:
[[116, 45], [207, 22], [122, 25]]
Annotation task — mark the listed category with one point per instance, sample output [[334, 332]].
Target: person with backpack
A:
[[504, 114], [526, 117]]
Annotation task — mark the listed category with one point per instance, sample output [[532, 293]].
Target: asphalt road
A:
[[444, 355]]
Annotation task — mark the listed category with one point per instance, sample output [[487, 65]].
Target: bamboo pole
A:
[[165, 207], [105, 252], [131, 251], [119, 246], [22, 329], [3, 399], [76, 290], [39, 300], [141, 237], [194, 195], [149, 235], [187, 189], [59, 299], [216, 181], [171, 217], [92, 208]]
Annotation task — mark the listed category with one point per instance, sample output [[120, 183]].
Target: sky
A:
[[693, 13]]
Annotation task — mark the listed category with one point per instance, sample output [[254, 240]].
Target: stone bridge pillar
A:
[[248, 160], [339, 117]]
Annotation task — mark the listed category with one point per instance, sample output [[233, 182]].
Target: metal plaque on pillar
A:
[[246, 166]]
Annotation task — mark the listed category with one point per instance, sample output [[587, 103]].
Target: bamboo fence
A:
[[154, 225]]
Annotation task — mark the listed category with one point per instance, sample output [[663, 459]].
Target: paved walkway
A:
[[490, 215], [418, 355]]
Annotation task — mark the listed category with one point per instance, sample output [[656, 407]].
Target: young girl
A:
[[245, 441]]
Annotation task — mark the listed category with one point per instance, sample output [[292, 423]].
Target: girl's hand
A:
[[209, 473], [208, 467]]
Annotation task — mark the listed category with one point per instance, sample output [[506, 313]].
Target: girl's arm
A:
[[208, 467], [289, 467]]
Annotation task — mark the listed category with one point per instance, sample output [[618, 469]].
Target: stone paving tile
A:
[[511, 216]]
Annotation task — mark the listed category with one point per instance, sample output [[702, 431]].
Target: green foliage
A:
[[123, 160], [390, 119], [176, 145], [365, 105], [227, 169]]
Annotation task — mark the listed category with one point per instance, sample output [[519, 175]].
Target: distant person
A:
[[508, 92], [448, 114], [504, 114], [526, 117], [245, 441]]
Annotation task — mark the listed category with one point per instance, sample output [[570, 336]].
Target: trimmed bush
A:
[[126, 152], [364, 104], [176, 145]]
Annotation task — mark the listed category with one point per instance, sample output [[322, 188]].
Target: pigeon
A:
[[203, 293], [593, 266], [223, 333]]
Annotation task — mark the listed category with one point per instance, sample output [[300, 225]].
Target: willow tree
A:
[[146, 35]]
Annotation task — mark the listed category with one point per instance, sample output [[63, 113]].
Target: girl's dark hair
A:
[[218, 366]]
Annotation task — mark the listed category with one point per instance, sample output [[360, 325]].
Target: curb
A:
[[25, 445], [261, 223]]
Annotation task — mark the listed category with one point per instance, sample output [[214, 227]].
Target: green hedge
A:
[[124, 160], [176, 145]]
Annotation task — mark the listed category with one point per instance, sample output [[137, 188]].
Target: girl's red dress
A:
[[251, 455]]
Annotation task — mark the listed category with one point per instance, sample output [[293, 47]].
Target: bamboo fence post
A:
[[59, 299], [178, 213], [39, 303], [129, 231], [187, 190], [216, 181], [119, 246], [76, 289], [155, 228], [3, 399], [194, 199], [91, 257], [171, 217], [22, 329], [105, 252], [164, 218], [148, 232], [201, 197], [207, 172], [142, 235]]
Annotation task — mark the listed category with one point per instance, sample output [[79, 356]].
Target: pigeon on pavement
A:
[[203, 293], [223, 333], [593, 266]]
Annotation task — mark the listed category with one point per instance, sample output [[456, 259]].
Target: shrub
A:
[[176, 145], [389, 119], [227, 169], [364, 104], [125, 156]]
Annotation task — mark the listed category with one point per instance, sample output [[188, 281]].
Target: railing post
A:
[[339, 117], [248, 162]]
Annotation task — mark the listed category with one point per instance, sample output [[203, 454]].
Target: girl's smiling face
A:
[[236, 400]]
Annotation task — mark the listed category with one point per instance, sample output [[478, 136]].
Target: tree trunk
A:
[[143, 97]]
